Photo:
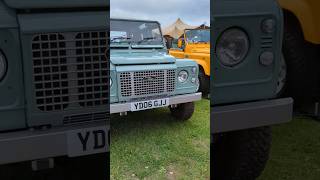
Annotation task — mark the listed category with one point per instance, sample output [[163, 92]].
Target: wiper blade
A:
[[114, 39], [145, 40]]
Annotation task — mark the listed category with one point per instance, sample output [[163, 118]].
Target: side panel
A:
[[250, 80], [12, 106], [308, 14]]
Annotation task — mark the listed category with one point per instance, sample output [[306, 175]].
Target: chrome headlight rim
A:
[[183, 76], [223, 35], [3, 66], [111, 82]]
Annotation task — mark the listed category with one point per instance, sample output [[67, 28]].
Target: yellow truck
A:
[[195, 44], [301, 45]]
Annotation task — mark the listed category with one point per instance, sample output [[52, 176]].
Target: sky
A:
[[192, 12]]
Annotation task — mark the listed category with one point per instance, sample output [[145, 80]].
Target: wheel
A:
[[204, 81], [241, 155], [183, 111], [299, 56]]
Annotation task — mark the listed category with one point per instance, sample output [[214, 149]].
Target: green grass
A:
[[295, 153], [153, 145]]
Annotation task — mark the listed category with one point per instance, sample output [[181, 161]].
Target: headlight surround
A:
[[183, 76], [232, 46], [3, 66], [194, 70], [110, 82]]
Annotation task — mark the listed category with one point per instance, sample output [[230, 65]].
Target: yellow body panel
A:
[[199, 52], [308, 14]]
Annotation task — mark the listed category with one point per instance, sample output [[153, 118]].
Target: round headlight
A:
[[232, 47], [183, 76], [3, 66], [268, 26]]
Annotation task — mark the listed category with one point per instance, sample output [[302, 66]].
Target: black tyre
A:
[[241, 155], [204, 81], [183, 111], [299, 56]]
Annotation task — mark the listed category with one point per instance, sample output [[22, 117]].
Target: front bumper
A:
[[126, 107], [27, 145], [250, 115]]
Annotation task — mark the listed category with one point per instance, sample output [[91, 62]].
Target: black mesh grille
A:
[[70, 70]]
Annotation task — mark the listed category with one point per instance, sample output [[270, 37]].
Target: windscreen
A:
[[198, 36], [135, 33]]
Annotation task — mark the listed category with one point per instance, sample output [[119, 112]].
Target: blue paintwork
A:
[[135, 60]]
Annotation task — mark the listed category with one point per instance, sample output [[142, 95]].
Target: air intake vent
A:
[[81, 118], [266, 42]]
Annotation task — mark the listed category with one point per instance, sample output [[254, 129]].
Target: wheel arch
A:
[[304, 14], [203, 65]]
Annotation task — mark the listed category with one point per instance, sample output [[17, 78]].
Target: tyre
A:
[[183, 111], [241, 155], [204, 81], [300, 59]]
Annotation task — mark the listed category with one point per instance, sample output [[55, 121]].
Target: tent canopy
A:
[[176, 29]]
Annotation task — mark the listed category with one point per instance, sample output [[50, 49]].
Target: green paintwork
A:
[[30, 4], [17, 28], [248, 81]]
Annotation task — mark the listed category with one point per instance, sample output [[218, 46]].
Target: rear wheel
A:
[[241, 155], [299, 56], [204, 81], [183, 111]]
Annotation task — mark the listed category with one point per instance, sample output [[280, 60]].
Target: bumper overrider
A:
[[71, 141], [250, 115], [174, 100]]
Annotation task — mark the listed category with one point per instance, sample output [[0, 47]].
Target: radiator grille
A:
[[50, 72], [70, 70], [147, 82], [92, 68]]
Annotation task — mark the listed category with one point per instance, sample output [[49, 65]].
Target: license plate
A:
[[150, 104], [88, 141]]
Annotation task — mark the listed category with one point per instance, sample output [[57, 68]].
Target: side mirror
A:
[[180, 43]]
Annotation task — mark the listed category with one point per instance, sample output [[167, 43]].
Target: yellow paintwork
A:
[[199, 52], [308, 13]]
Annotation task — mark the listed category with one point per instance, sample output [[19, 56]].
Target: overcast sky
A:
[[192, 12]]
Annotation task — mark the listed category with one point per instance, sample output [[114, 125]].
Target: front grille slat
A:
[[142, 83], [70, 70]]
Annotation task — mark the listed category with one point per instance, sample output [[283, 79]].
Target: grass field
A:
[[153, 145], [295, 153]]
